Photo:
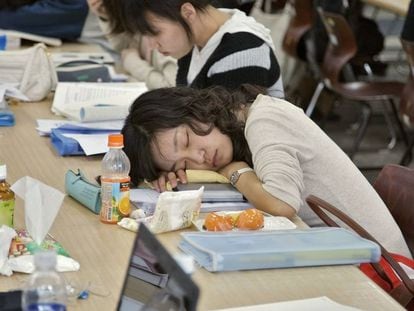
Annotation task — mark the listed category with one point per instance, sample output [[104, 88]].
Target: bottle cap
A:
[[3, 171], [115, 140]]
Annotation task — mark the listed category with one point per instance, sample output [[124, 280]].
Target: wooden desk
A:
[[103, 250], [399, 7]]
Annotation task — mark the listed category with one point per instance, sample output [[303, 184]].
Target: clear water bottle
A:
[[46, 289], [115, 181]]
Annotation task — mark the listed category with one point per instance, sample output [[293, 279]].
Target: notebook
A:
[[154, 280]]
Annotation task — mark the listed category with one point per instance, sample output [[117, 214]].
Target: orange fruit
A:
[[250, 219], [215, 222], [124, 207]]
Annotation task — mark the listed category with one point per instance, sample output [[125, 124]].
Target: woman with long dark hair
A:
[[268, 148]]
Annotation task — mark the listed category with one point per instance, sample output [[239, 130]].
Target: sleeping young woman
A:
[[270, 150], [213, 46]]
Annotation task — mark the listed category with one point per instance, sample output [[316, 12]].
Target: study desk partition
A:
[[103, 250]]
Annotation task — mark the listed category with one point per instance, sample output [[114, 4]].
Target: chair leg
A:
[[403, 132], [366, 115], [314, 99], [390, 126]]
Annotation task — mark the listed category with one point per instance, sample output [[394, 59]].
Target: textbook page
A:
[[75, 99]]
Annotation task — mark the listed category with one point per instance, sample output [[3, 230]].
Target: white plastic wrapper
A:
[[25, 264], [175, 210], [6, 236]]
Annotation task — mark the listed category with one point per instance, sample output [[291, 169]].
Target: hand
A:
[[232, 167], [172, 177], [97, 7]]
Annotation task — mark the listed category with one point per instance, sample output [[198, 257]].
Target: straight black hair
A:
[[168, 108], [131, 15]]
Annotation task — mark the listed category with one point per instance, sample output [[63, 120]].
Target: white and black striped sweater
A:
[[241, 57]]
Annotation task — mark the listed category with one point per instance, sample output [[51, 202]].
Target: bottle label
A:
[[6, 212], [115, 199]]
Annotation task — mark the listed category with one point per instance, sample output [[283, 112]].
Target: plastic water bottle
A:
[[115, 181], [46, 289]]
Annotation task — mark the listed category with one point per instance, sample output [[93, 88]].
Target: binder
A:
[[68, 146], [247, 250]]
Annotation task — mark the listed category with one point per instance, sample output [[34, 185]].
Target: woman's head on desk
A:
[[177, 128]]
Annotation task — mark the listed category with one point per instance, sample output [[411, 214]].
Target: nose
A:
[[198, 156]]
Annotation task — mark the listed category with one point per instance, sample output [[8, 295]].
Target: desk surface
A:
[[399, 7], [103, 250]]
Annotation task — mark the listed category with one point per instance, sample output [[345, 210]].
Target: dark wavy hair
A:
[[168, 108], [131, 15]]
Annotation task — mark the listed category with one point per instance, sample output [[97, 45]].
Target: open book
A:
[[86, 102], [31, 37]]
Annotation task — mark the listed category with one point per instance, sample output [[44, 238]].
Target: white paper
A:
[[10, 90], [143, 195], [41, 205], [91, 143], [71, 97], [102, 113], [312, 304]]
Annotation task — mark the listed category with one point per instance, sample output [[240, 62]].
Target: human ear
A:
[[188, 12]]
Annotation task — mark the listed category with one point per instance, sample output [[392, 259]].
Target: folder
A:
[[69, 146], [247, 250]]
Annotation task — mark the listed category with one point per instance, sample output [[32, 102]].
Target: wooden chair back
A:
[[299, 24], [395, 186], [341, 47], [404, 293]]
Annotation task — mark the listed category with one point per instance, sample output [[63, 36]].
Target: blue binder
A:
[[68, 146]]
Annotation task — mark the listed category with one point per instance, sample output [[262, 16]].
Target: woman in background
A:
[[268, 148], [213, 46], [139, 58]]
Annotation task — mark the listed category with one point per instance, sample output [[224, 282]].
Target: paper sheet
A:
[[91, 143], [44, 126], [312, 304]]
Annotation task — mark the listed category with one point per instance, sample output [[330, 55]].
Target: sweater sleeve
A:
[[276, 160], [54, 18]]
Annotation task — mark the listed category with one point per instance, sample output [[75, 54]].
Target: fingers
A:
[[172, 177], [182, 176]]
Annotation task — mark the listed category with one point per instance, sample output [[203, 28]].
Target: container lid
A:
[[3, 171], [115, 140]]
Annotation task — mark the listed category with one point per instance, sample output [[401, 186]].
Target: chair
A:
[[299, 24], [395, 186], [407, 100], [340, 50], [404, 293]]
